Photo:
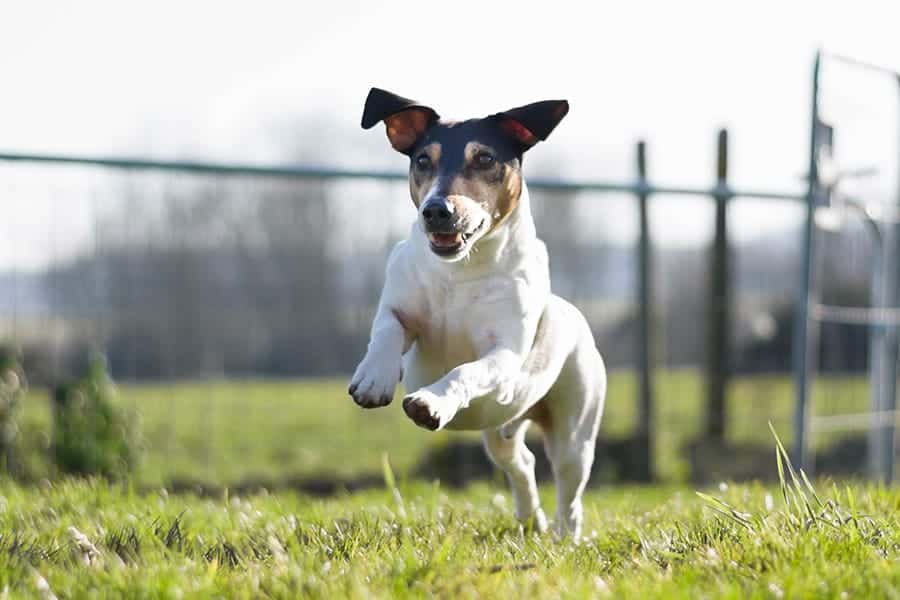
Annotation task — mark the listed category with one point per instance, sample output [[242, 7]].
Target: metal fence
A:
[[114, 272], [646, 342], [880, 319]]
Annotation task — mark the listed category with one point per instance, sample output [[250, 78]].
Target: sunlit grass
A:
[[81, 538], [224, 432], [404, 538]]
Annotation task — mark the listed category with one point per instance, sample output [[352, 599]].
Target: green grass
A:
[[422, 541], [227, 432], [79, 538]]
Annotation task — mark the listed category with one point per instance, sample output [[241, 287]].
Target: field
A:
[[74, 538], [228, 433], [406, 537]]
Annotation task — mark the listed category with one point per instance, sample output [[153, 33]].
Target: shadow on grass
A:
[[462, 462], [455, 465], [712, 461]]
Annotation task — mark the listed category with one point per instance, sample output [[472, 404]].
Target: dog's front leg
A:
[[376, 377], [434, 406], [379, 372]]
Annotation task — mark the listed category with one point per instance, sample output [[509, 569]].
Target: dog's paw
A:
[[567, 527], [373, 386], [427, 409], [536, 522]]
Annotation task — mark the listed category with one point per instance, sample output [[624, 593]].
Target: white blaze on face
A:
[[471, 214]]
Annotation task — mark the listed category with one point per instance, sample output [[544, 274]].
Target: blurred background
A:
[[212, 263]]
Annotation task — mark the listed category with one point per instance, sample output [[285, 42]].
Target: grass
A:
[[226, 432], [408, 538], [87, 538]]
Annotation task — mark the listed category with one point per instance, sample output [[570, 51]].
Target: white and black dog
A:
[[467, 317]]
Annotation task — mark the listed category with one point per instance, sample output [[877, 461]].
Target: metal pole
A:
[[885, 361], [645, 339], [891, 294], [720, 304], [876, 357], [804, 344]]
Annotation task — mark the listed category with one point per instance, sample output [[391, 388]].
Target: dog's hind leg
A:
[[574, 407], [511, 455]]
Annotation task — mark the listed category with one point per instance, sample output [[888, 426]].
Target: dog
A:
[[466, 317]]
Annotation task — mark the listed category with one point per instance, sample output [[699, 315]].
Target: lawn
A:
[[227, 432], [83, 538], [74, 538]]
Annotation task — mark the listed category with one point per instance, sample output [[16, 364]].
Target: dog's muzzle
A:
[[442, 227], [448, 233], [438, 216]]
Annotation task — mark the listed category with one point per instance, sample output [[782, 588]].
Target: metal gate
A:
[[881, 318]]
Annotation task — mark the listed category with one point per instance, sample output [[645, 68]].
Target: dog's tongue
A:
[[445, 239]]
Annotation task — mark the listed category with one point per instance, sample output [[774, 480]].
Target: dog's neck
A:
[[506, 244]]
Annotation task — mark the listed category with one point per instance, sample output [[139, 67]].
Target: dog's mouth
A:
[[451, 243]]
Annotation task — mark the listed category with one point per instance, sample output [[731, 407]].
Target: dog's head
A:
[[465, 177]]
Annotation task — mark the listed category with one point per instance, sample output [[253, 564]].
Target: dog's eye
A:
[[423, 162], [484, 160]]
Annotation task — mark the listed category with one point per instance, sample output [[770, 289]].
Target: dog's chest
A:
[[455, 321]]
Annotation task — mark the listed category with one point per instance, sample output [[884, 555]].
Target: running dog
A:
[[467, 318]]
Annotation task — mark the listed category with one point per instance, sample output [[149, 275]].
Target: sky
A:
[[225, 81]]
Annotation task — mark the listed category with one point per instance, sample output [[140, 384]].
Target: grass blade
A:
[[390, 483]]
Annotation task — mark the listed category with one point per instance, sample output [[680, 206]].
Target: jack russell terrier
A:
[[467, 317]]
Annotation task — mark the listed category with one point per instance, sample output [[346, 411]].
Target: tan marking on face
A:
[[508, 198], [420, 182], [472, 183], [496, 189], [473, 148]]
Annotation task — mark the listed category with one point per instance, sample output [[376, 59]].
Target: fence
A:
[[641, 189], [880, 318], [120, 277]]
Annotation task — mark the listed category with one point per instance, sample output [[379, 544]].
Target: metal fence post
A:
[[804, 341], [890, 294], [645, 325], [877, 363], [719, 313], [883, 365]]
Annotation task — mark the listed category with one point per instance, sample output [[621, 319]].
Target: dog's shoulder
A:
[[400, 273], [401, 259], [532, 264]]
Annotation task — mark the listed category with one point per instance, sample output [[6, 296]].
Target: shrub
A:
[[12, 388], [92, 433]]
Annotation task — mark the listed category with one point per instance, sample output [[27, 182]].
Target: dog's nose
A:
[[437, 214]]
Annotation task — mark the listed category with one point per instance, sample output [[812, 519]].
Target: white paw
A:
[[537, 521], [373, 384], [429, 410], [567, 528]]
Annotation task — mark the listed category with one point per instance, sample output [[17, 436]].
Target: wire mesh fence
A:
[[230, 303], [849, 280]]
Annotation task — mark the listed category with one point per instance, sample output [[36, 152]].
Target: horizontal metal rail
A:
[[305, 172], [862, 64], [854, 421], [855, 315]]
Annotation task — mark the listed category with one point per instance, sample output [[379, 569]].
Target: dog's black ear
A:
[[406, 120], [532, 123]]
